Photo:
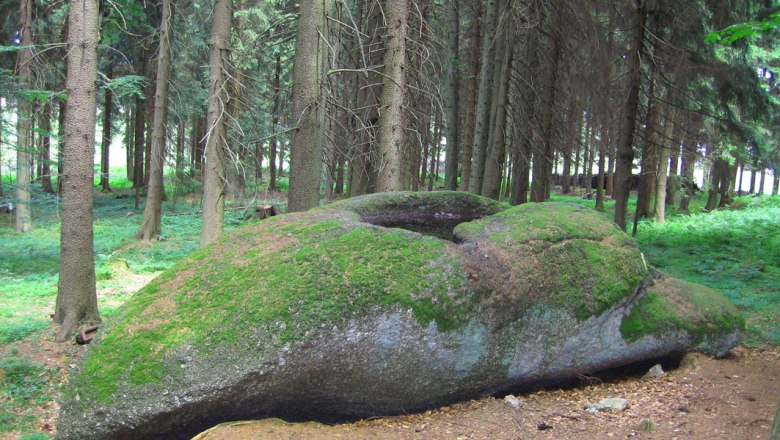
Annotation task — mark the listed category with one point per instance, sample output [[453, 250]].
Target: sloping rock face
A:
[[325, 316]]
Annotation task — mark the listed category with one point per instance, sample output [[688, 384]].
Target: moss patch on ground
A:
[[672, 304]]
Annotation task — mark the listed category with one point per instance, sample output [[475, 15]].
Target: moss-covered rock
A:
[[680, 308], [339, 313]]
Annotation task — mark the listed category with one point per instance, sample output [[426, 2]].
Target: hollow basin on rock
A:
[[328, 315]]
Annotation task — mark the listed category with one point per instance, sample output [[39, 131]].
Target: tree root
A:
[[86, 334]]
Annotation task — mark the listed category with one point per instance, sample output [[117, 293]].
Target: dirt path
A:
[[733, 398]]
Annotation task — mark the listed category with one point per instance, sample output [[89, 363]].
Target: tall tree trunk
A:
[[471, 104], [716, 175], [663, 167], [45, 119], [391, 129], [543, 157], [625, 151], [775, 182], [216, 141], [105, 146], [180, 135], [727, 180], [308, 105], [275, 122], [494, 165], [453, 97], [752, 180], [686, 172], [76, 293], [151, 225], [761, 182], [484, 98], [129, 143], [24, 156], [602, 162]]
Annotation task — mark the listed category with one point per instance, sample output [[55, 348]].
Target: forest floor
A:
[[734, 251]]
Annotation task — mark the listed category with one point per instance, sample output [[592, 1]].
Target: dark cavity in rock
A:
[[436, 224]]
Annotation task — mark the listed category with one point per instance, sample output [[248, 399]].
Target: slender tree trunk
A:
[[151, 225], [761, 182], [484, 98], [129, 143], [686, 173], [471, 104], [494, 165], [716, 175], [625, 152], [105, 146], [275, 123], [543, 157], [76, 294], [46, 185], [138, 166], [308, 105], [391, 129], [741, 167], [663, 168], [24, 152], [216, 141], [775, 182], [180, 135], [453, 95], [602, 163], [726, 190], [752, 180]]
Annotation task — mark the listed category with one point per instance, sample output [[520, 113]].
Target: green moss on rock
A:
[[560, 254], [676, 305], [292, 273]]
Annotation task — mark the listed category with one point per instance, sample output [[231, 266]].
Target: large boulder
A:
[[338, 313]]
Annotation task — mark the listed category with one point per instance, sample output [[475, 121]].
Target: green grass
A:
[[736, 252], [29, 268], [23, 383]]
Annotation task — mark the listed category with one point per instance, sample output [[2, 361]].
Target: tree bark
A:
[[45, 119], [105, 145], [129, 143], [471, 104], [494, 165], [216, 142], [484, 97], [275, 123], [686, 172], [543, 157], [391, 129], [453, 97], [308, 106], [151, 225], [625, 152], [24, 156], [76, 293], [663, 167]]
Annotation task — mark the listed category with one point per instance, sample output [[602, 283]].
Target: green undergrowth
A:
[[736, 252], [29, 265], [282, 274], [23, 383]]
